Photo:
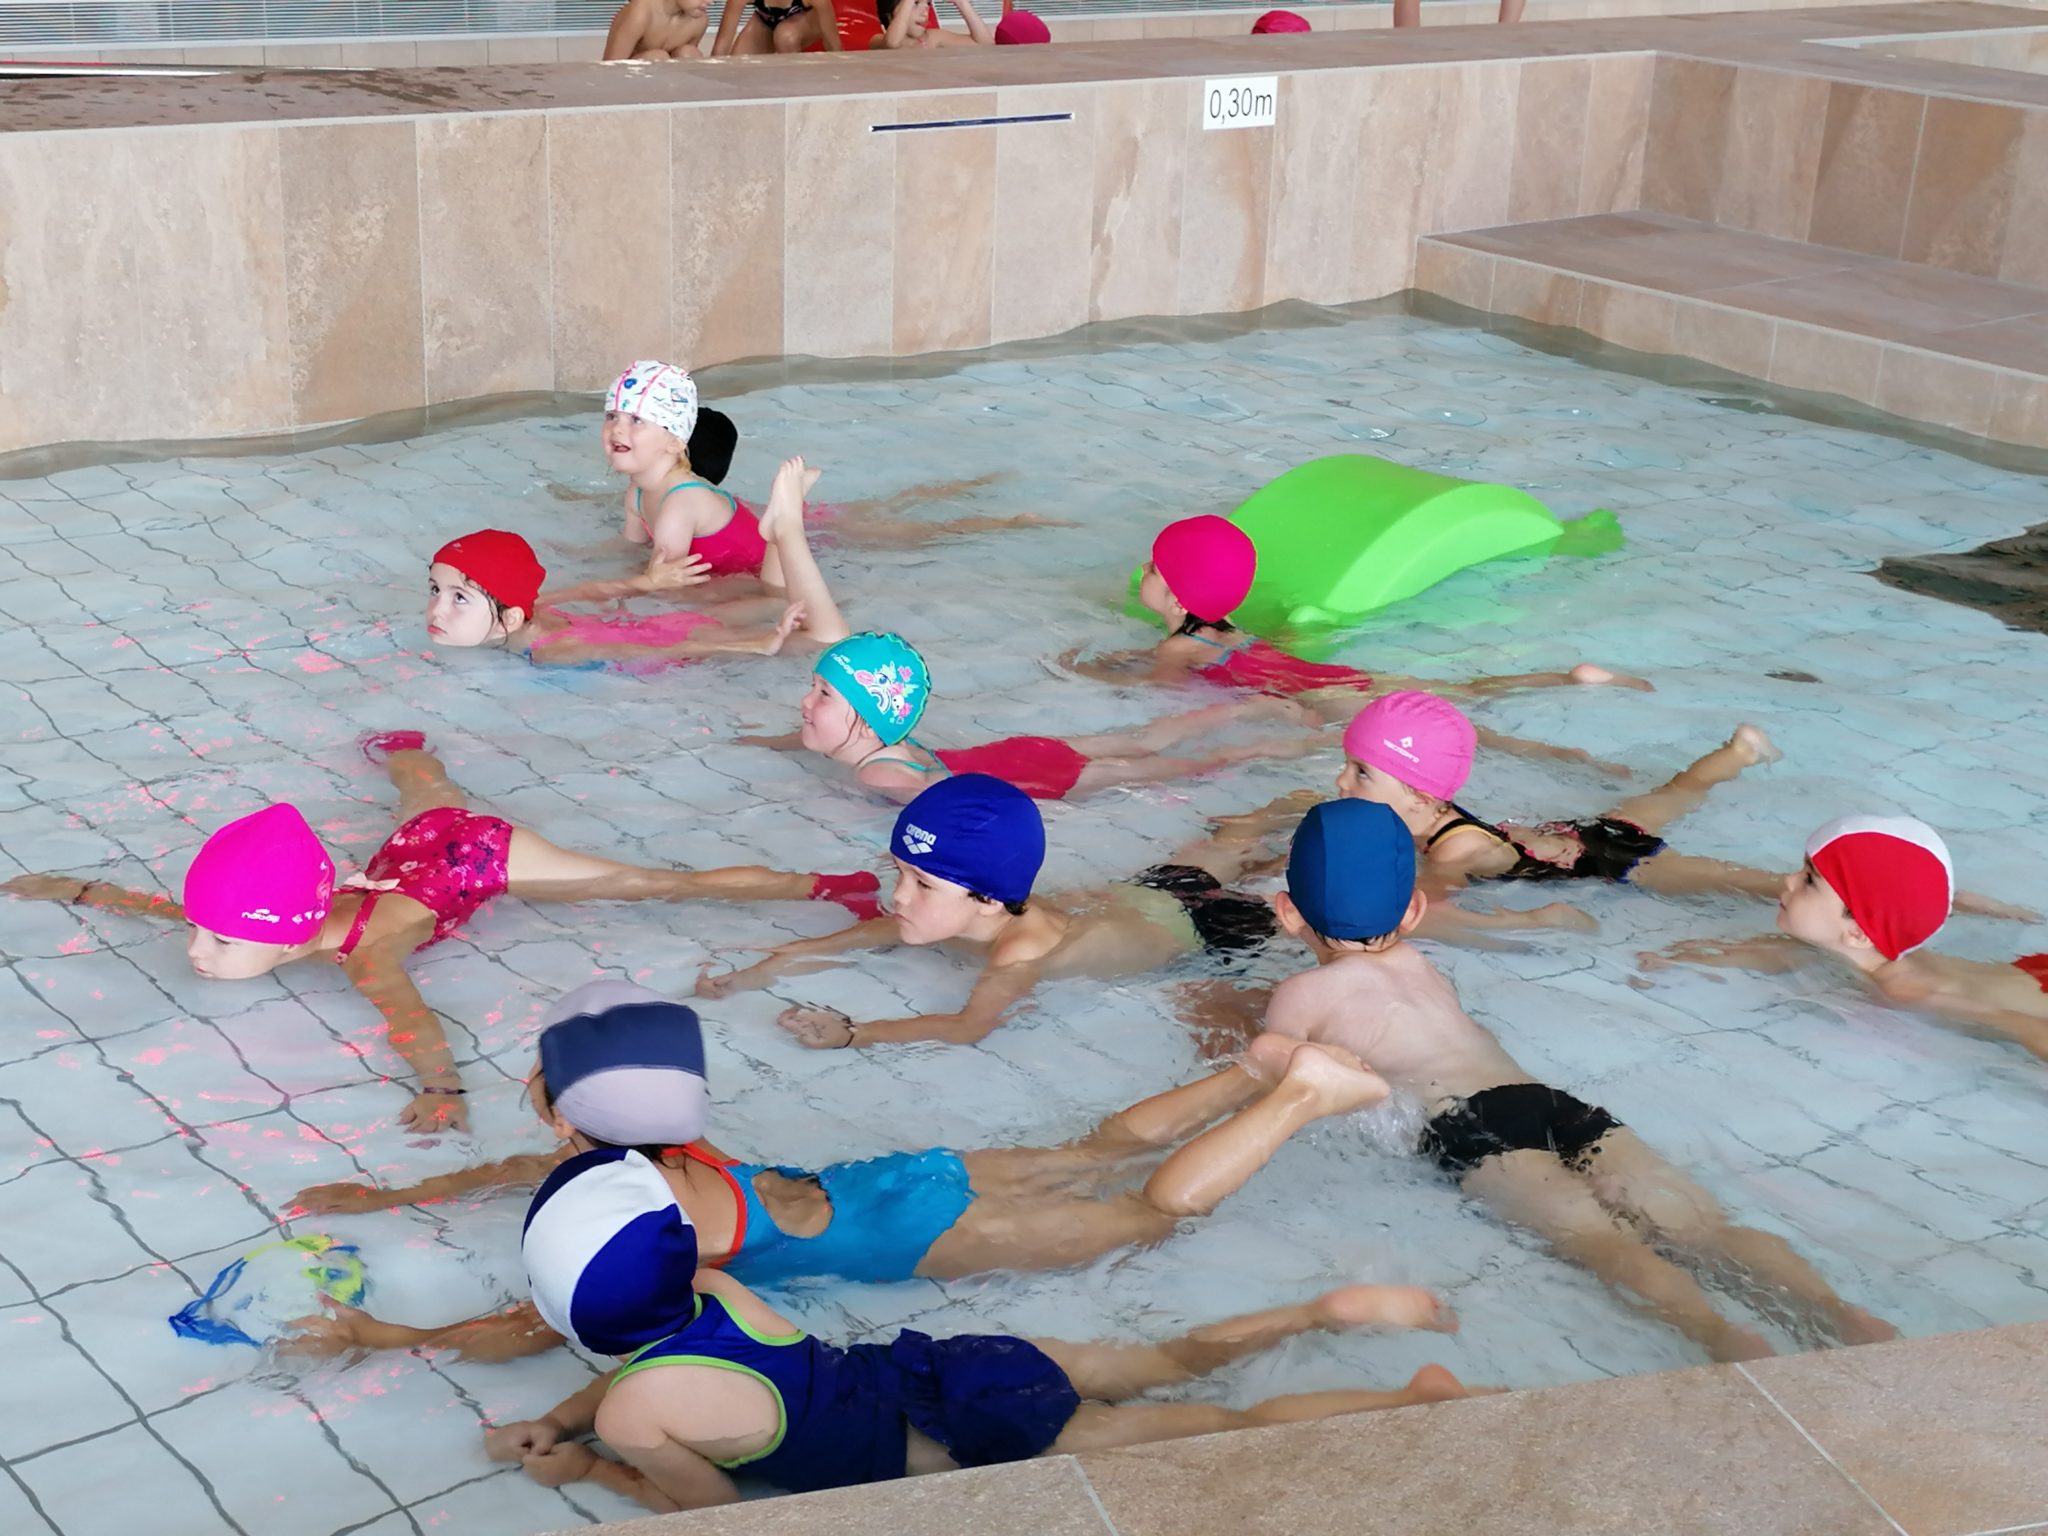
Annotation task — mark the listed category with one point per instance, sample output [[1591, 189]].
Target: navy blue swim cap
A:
[[610, 1256], [974, 830], [1351, 870], [626, 1066]]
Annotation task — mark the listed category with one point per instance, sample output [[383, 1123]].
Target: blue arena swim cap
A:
[[610, 1255], [1351, 870], [974, 830], [625, 1065], [883, 678]]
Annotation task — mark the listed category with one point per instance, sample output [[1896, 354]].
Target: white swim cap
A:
[[657, 392]]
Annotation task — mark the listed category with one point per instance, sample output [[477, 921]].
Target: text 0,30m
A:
[[1247, 102]]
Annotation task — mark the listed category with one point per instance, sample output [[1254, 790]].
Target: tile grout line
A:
[[1743, 1370], [1088, 1487]]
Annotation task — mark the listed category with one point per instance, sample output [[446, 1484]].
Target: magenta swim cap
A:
[[1280, 21], [1422, 740], [265, 878], [1020, 28], [1207, 564]]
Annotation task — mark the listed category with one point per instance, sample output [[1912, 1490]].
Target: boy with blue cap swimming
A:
[[715, 1383], [1567, 1170], [621, 1067]]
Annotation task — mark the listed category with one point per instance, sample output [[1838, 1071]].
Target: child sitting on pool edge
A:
[[657, 29], [1544, 1160], [716, 1383], [1870, 893]]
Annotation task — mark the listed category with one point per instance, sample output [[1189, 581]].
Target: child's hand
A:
[[46, 887], [516, 1442], [338, 1329], [1684, 952], [818, 1029], [339, 1200], [673, 575], [564, 1463], [433, 1113], [792, 618]]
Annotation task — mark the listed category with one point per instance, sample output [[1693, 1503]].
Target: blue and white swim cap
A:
[[883, 678], [975, 830], [609, 1254], [626, 1066]]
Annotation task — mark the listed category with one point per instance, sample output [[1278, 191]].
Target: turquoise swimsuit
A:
[[886, 1214]]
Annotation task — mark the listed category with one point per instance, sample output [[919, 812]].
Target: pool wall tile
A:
[[2026, 232], [484, 270], [728, 224], [1691, 101], [839, 222], [1869, 139], [1462, 276], [1727, 338], [1770, 156], [609, 224], [1470, 157], [1963, 185], [945, 225], [1042, 263], [1628, 317], [1224, 216], [1396, 165], [1140, 162], [1314, 188], [1552, 110], [1540, 294], [1945, 391], [1617, 123], [352, 269], [2019, 410]]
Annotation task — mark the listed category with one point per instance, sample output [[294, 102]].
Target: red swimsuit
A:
[[450, 861], [1268, 669], [1043, 767], [2035, 966]]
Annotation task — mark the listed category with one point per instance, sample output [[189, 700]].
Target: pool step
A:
[[1923, 342]]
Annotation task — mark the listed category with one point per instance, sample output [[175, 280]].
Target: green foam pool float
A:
[[1345, 536]]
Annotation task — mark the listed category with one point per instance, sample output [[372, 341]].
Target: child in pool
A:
[[913, 24], [869, 691], [623, 1067], [1540, 1158], [657, 29], [484, 589], [1413, 752], [789, 28], [260, 894], [1200, 573], [716, 1382], [1871, 892], [648, 418], [967, 851]]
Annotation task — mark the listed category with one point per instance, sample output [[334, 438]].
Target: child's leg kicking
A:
[[1134, 757], [1658, 808], [789, 563], [1629, 1177], [1535, 1190], [1104, 1426], [539, 871], [1584, 675], [416, 773], [873, 522]]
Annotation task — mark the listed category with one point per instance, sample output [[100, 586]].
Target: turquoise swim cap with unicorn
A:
[[883, 678]]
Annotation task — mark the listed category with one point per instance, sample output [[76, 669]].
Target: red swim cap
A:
[[501, 563], [1207, 564], [1893, 874], [1280, 21], [1022, 27]]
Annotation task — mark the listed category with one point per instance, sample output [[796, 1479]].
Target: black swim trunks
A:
[[1225, 922], [1609, 848], [1516, 1117], [776, 15]]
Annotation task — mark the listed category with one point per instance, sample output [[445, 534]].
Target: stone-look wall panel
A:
[[839, 222], [2026, 226], [1140, 169], [1690, 105], [945, 181], [1043, 259], [1394, 154], [613, 287], [484, 269], [727, 276], [351, 203], [1868, 142], [1470, 159], [1770, 156], [1617, 122], [1552, 112], [1225, 215], [1963, 185], [1314, 188]]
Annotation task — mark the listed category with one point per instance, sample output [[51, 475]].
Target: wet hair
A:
[[1014, 908], [1369, 943], [711, 445], [1194, 626]]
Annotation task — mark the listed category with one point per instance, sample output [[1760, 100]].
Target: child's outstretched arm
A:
[[72, 891], [801, 956], [1988, 906], [976, 27], [1769, 954], [377, 968], [660, 576], [998, 991], [492, 1339], [627, 30], [521, 1172], [730, 20], [1521, 747], [1449, 923]]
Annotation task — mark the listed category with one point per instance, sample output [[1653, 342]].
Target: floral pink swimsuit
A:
[[450, 861]]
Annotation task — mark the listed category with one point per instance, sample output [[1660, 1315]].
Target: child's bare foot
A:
[[1336, 1081], [1269, 1055], [793, 482], [1434, 1384], [1587, 675], [378, 746], [1385, 1306], [1754, 745]]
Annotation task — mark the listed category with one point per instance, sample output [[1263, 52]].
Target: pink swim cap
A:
[[1280, 21], [265, 878], [1422, 740], [1022, 27], [1207, 564]]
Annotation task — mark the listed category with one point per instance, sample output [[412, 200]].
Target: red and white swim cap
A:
[[1893, 873]]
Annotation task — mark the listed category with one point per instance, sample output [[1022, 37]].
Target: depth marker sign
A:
[[1247, 101]]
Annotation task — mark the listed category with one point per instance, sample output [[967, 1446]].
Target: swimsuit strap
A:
[[722, 1166], [355, 929], [1227, 650], [936, 765], [1465, 818], [639, 499]]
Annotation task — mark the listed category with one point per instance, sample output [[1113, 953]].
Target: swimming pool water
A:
[[191, 639]]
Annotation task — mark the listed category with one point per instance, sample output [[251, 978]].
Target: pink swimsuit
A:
[[1268, 669], [652, 630], [450, 861], [737, 549], [1043, 767]]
